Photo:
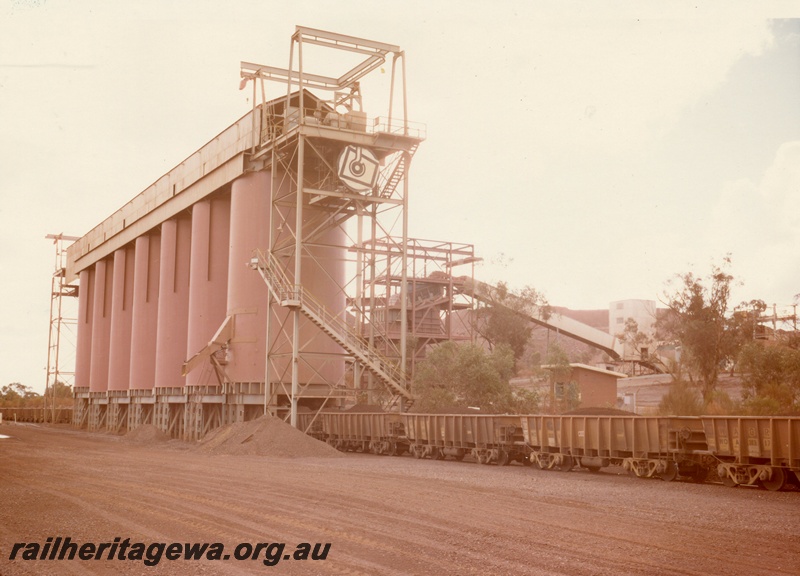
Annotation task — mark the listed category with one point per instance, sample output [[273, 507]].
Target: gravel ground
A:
[[381, 515]]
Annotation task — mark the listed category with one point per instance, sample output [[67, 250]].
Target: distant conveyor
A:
[[554, 321]]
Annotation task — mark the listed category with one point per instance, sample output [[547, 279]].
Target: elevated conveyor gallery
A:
[[563, 325]]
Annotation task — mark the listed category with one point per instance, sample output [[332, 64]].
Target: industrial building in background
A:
[[272, 271]]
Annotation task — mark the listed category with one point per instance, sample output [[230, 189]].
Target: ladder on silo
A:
[[294, 296]]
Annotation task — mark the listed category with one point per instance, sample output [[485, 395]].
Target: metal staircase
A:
[[294, 296], [397, 174]]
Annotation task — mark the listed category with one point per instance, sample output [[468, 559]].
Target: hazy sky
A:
[[599, 148]]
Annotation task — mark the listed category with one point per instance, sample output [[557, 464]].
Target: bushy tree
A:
[[17, 394], [503, 321], [698, 319], [682, 399], [465, 375], [770, 378]]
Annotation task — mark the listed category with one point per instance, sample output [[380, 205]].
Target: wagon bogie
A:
[[650, 468], [552, 461], [772, 478]]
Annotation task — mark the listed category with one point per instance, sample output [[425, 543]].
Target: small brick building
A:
[[596, 387]]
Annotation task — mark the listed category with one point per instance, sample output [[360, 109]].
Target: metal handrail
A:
[[284, 290], [355, 341]]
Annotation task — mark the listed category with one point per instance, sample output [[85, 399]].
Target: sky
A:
[[590, 150]]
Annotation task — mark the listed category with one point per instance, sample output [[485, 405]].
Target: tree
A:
[[465, 375], [698, 320], [563, 389], [770, 378], [634, 339], [681, 400], [503, 320], [16, 394]]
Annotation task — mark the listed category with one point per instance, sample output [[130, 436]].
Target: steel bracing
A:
[[339, 178], [63, 322]]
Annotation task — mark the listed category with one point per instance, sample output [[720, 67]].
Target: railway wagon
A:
[[487, 438], [62, 416], [647, 447], [376, 432], [753, 450], [311, 424]]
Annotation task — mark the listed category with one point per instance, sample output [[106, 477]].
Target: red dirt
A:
[[382, 515]]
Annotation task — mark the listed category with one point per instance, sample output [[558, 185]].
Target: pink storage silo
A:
[[101, 326], [208, 279], [119, 354], [323, 276], [145, 312], [173, 302], [83, 346], [247, 293]]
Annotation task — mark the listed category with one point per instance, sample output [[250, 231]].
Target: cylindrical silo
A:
[[247, 293], [208, 279], [145, 312], [83, 346], [323, 277], [173, 302], [119, 354], [101, 326]]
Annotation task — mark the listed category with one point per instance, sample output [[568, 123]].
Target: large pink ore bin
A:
[[173, 302], [145, 312], [101, 326], [119, 355], [208, 280], [83, 347], [248, 296], [247, 293]]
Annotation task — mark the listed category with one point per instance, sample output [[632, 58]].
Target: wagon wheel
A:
[[459, 455], [502, 458], [776, 482], [670, 473], [525, 460]]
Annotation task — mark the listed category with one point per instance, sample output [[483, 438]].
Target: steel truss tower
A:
[[63, 323], [339, 179]]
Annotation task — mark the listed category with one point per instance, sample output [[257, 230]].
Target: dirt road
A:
[[381, 515]]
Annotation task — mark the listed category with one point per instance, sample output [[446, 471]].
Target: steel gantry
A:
[[339, 178]]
